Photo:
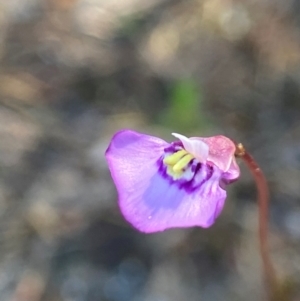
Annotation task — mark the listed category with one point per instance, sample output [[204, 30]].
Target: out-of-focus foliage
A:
[[184, 110], [75, 71]]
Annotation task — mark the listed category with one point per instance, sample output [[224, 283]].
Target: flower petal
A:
[[132, 156], [221, 150], [197, 148], [164, 205], [232, 173]]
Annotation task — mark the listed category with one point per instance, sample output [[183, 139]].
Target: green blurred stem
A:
[[263, 204]]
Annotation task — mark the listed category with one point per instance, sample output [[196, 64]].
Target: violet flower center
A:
[[180, 168]]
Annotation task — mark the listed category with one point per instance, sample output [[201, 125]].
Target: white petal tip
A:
[[197, 148], [180, 137]]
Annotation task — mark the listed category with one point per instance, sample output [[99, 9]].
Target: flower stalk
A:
[[263, 204]]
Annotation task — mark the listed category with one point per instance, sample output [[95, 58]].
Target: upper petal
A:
[[197, 148], [221, 151]]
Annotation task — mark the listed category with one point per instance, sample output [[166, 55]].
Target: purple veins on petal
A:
[[161, 185]]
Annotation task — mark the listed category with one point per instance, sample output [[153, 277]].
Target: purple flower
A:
[[165, 185]]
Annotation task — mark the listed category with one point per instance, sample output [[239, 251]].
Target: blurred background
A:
[[75, 71]]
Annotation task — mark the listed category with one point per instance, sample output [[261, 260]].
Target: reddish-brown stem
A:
[[263, 204]]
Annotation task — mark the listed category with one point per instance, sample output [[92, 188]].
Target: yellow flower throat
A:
[[177, 162]]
